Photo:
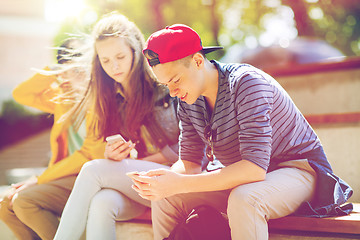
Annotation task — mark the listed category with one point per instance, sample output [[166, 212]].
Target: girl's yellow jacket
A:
[[38, 92]]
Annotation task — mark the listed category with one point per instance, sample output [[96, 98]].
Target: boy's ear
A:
[[198, 59]]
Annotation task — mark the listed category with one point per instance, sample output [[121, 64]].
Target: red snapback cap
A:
[[175, 42]]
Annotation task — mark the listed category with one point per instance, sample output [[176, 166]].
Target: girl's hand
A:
[[118, 150]]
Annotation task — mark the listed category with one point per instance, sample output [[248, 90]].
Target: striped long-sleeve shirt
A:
[[253, 119]]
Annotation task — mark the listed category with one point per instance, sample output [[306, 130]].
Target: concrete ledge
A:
[[349, 224], [143, 230], [134, 230], [301, 235], [293, 228]]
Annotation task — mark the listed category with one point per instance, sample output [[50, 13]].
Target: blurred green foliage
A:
[[340, 24], [229, 22]]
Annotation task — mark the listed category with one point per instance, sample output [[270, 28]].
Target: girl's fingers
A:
[[122, 146], [122, 155], [116, 145], [118, 150]]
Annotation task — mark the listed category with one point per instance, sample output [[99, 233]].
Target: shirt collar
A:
[[220, 67]]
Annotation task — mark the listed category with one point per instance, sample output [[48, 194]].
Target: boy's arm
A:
[[186, 167], [162, 183], [236, 174]]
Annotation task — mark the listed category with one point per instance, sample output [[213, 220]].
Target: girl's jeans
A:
[[101, 195]]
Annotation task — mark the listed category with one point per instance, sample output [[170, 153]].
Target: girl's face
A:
[[115, 57]]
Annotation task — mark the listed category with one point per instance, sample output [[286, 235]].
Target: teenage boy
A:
[[274, 162]]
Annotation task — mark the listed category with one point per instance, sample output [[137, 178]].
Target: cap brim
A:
[[211, 49]]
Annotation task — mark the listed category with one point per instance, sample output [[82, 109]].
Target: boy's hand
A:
[[156, 184]]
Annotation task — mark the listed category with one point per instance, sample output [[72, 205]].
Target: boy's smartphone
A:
[[114, 138]]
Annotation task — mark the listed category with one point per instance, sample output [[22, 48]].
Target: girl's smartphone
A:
[[115, 138]]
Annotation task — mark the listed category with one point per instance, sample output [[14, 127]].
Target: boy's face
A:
[[184, 81]]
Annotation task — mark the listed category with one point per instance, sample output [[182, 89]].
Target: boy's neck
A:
[[212, 82]]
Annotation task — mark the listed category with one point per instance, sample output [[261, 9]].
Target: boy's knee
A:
[[242, 196], [162, 205], [174, 205], [244, 202]]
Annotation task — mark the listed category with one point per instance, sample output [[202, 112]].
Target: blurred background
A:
[[265, 33]]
